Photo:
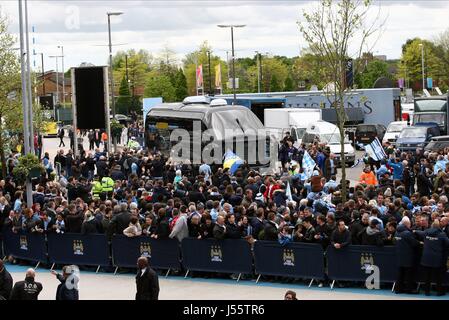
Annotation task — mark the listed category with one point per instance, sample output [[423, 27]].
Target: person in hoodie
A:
[[406, 251], [373, 235], [436, 244]]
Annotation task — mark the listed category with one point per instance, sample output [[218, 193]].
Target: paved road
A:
[[106, 286]]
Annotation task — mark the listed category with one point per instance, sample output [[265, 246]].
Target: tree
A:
[[373, 71], [275, 85], [410, 66], [180, 85], [10, 89], [289, 85], [329, 30], [442, 46], [124, 99], [160, 86], [199, 57]]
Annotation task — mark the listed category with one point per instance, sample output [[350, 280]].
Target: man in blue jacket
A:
[[436, 244], [397, 167], [68, 288], [406, 245]]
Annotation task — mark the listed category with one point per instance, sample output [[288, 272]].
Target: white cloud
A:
[[271, 26]]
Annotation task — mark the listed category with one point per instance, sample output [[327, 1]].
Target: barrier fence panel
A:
[[357, 263], [71, 248], [296, 260], [227, 256], [25, 246], [163, 254]]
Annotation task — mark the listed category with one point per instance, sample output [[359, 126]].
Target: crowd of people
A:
[[135, 193]]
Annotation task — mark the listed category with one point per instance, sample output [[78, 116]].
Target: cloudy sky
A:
[[81, 26]]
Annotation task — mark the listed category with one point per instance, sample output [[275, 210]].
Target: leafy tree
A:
[[124, 99], [180, 85], [289, 85], [159, 85], [373, 71], [410, 66], [329, 29], [10, 89], [275, 85]]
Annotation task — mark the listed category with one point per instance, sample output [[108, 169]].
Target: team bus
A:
[[199, 113]]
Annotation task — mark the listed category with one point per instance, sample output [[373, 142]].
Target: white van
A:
[[393, 131], [329, 134]]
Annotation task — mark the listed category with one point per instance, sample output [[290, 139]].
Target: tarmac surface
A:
[[107, 286]]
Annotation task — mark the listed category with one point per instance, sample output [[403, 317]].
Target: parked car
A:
[[393, 131], [366, 133], [418, 136], [437, 143]]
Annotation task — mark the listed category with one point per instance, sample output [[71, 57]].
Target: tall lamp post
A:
[[422, 67], [111, 71], [258, 71], [63, 74], [232, 26], [57, 77]]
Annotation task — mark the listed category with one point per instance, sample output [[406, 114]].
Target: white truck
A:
[[293, 120]]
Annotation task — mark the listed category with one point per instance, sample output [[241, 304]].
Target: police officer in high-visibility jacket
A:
[[107, 185], [97, 188]]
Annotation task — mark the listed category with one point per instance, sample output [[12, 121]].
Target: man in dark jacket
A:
[[120, 221], [271, 230], [74, 220], [406, 245], [26, 290], [258, 223], [435, 245], [5, 282], [341, 237], [220, 228], [309, 233], [102, 167], [358, 227], [147, 281], [68, 288], [373, 236]]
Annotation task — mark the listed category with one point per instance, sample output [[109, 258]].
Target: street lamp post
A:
[[233, 54], [258, 71], [63, 75], [111, 71], [57, 77], [422, 67]]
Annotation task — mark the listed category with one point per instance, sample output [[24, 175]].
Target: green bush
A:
[[28, 164]]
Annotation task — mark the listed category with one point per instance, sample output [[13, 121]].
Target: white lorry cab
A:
[[329, 134], [294, 120]]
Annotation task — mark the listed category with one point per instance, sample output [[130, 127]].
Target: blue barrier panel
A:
[[296, 260], [26, 246], [353, 263], [163, 254], [71, 248], [227, 256]]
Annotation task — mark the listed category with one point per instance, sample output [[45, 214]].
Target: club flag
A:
[[308, 165], [232, 162], [218, 76], [375, 150], [199, 77]]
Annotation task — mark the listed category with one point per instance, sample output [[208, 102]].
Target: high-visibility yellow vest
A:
[[107, 184], [97, 189]]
